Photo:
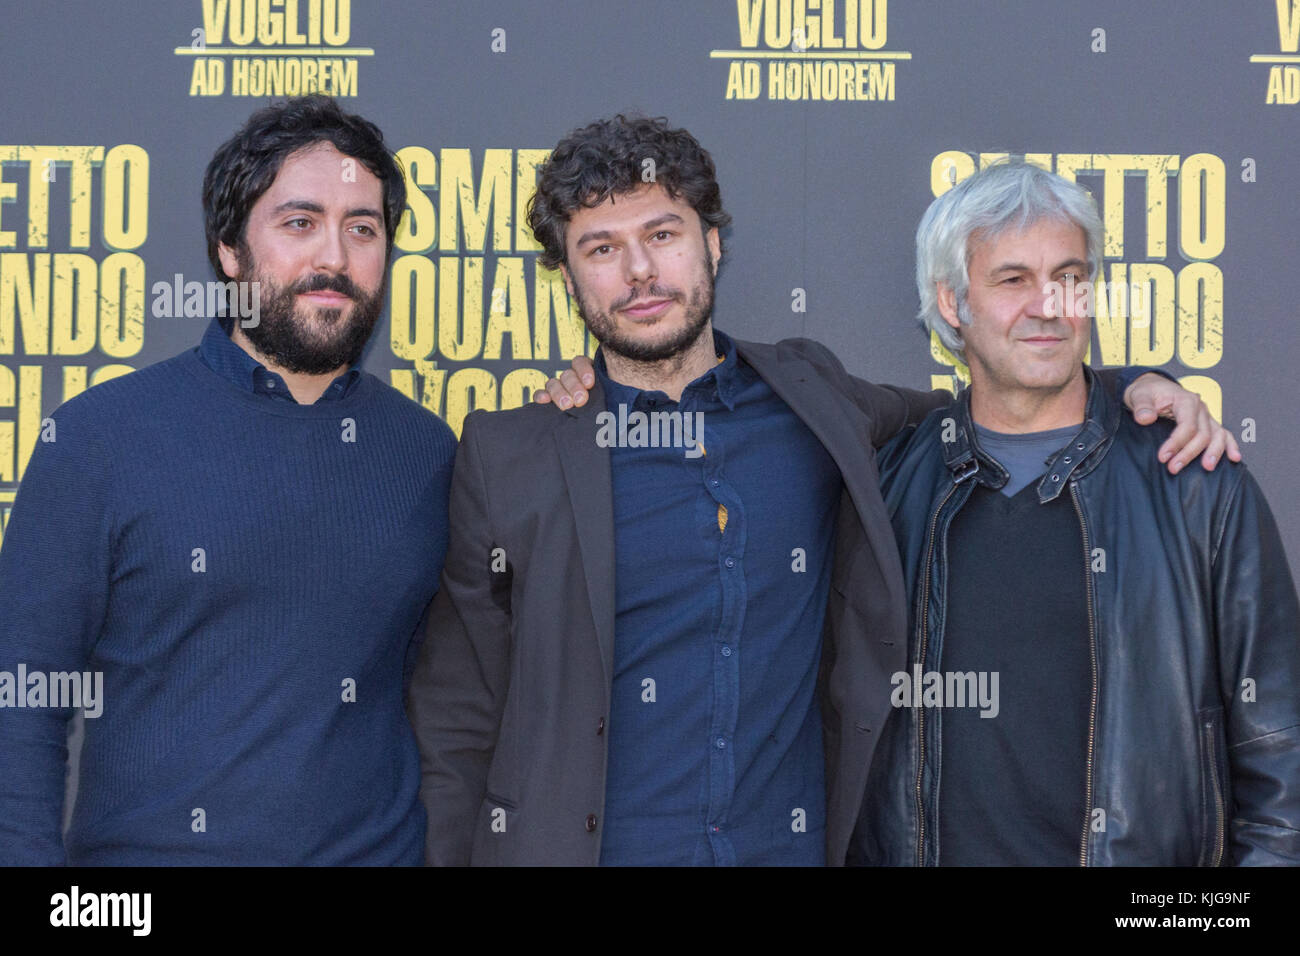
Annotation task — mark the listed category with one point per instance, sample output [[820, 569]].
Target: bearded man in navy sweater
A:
[[240, 543]]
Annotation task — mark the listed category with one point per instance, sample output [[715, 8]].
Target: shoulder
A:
[[1138, 445], [95, 431], [1193, 490], [526, 420], [411, 415], [128, 396], [518, 437], [792, 349], [802, 359]]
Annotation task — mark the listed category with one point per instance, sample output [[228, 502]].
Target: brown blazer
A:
[[511, 690]]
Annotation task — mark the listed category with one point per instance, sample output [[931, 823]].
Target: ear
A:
[[568, 279], [229, 260], [714, 242], [946, 300]]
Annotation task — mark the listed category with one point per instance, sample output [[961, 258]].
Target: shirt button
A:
[[730, 562], [600, 726], [726, 652], [714, 482], [591, 823], [722, 744]]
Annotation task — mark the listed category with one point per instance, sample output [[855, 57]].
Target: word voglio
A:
[[639, 429]]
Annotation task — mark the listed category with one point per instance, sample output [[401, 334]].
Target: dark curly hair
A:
[[606, 158], [245, 166]]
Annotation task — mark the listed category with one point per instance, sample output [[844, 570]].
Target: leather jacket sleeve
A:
[[1257, 621]]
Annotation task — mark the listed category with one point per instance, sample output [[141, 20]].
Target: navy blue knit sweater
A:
[[248, 575]]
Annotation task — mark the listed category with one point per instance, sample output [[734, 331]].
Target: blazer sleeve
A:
[[460, 679], [893, 408], [1256, 618], [889, 407]]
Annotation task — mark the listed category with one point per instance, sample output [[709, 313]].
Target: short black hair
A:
[[245, 166], [608, 158]]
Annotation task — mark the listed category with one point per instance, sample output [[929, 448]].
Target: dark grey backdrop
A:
[[825, 195]]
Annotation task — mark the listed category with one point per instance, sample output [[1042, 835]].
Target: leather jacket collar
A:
[[965, 459]]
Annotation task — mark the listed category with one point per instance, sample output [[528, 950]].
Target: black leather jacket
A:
[[1193, 743]]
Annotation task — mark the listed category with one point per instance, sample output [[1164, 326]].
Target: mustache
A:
[[324, 282], [653, 292]]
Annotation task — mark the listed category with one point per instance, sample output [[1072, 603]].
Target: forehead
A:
[[1046, 241], [628, 211], [321, 174]]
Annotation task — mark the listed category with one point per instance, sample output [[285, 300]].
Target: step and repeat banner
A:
[[833, 123]]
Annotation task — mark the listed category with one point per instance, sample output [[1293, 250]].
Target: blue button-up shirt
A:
[[722, 573], [218, 352]]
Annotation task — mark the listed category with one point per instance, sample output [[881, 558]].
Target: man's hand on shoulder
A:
[[1196, 433], [570, 389]]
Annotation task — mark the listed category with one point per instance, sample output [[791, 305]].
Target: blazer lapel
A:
[[586, 470]]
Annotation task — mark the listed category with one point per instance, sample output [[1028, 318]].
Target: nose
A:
[[640, 264], [1049, 303], [330, 254]]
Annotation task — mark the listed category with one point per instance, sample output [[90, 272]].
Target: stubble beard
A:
[[602, 325]]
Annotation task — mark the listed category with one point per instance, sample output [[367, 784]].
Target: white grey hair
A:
[[1010, 194]]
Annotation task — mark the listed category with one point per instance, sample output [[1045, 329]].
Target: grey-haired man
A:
[[1103, 657]]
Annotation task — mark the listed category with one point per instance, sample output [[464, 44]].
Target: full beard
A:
[[293, 339]]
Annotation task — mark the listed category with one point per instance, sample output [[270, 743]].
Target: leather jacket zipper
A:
[[1092, 650], [1212, 751], [920, 711]]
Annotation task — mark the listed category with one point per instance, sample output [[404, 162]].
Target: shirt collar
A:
[[219, 353], [722, 382]]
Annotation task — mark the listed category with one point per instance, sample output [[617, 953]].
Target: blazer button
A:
[[591, 823], [600, 726]]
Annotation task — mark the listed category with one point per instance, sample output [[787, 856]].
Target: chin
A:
[[324, 316], [652, 336], [1054, 380]]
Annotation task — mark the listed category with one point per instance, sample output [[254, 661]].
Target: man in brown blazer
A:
[[669, 615]]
